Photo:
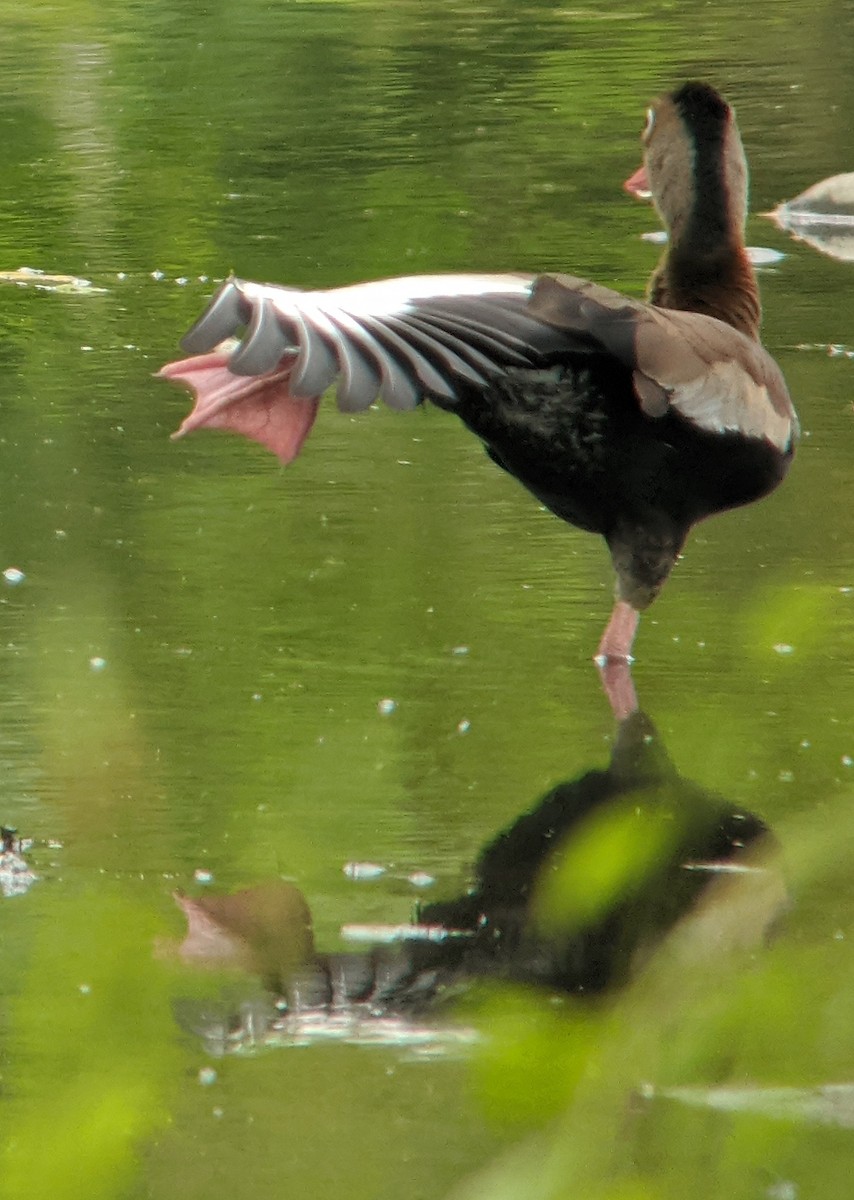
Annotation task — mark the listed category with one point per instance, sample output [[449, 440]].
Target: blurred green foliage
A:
[[708, 1073], [607, 861], [91, 1015]]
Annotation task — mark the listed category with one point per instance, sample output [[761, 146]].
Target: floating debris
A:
[[421, 879], [832, 350], [822, 216], [829, 1104], [831, 200], [764, 256], [16, 877], [363, 870], [723, 867], [45, 282]]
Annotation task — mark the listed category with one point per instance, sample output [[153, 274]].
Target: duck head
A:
[[696, 166], [696, 172]]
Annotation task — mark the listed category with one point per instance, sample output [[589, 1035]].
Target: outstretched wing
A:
[[397, 340], [400, 340], [394, 339]]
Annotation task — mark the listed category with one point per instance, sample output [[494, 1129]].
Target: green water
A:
[[251, 619]]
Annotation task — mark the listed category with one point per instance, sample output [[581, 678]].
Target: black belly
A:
[[574, 436]]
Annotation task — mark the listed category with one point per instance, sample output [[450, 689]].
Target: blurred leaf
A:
[[747, 1038], [610, 855], [530, 1036], [93, 1015]]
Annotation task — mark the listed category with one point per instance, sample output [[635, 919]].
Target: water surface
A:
[[194, 660]]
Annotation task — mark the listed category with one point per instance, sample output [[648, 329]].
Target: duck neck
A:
[[720, 284], [705, 267]]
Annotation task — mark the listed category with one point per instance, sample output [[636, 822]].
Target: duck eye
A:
[[650, 122]]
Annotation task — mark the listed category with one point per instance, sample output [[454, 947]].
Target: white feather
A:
[[387, 296], [726, 400]]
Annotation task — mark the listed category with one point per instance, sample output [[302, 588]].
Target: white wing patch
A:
[[387, 297], [725, 399]]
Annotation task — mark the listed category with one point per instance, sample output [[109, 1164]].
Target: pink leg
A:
[[616, 643], [614, 658], [616, 676]]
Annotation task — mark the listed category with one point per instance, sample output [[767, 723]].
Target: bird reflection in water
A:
[[495, 930]]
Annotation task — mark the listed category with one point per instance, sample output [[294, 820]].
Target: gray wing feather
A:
[[360, 382], [265, 342], [504, 328], [316, 366], [354, 366], [451, 353], [408, 352], [388, 377], [491, 346], [225, 314]]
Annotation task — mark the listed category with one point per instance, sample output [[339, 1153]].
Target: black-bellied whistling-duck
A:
[[629, 419]]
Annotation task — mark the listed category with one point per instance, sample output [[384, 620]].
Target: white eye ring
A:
[[650, 122]]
